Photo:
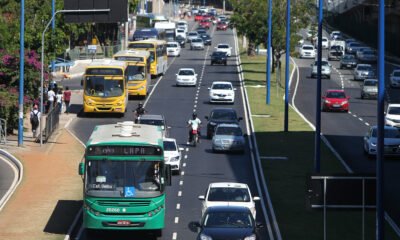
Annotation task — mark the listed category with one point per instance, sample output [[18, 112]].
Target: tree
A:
[[250, 20]]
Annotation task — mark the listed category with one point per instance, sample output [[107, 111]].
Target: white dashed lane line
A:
[[178, 206]]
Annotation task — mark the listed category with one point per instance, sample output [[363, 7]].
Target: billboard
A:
[[118, 11]]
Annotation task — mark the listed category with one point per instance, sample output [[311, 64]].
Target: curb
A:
[[20, 172]]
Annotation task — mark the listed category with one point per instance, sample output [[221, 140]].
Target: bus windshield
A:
[[128, 179], [100, 87], [135, 73]]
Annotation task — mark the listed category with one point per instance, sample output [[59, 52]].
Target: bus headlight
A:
[[119, 103], [89, 209], [90, 101]]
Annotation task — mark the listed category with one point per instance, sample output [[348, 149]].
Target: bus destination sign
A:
[[129, 59], [124, 151]]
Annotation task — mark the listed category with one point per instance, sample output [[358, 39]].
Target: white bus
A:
[[168, 27]]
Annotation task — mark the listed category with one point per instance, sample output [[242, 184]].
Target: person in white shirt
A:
[[194, 124], [59, 97], [50, 98]]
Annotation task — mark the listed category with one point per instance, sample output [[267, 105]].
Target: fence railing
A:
[[83, 52], [52, 122], [3, 131]]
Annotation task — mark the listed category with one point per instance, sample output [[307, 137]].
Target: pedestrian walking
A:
[[59, 97], [35, 119], [51, 95], [67, 99]]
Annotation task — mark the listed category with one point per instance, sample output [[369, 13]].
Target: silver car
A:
[[192, 35], [395, 78], [228, 137], [326, 69], [363, 71], [391, 141], [197, 43], [369, 88]]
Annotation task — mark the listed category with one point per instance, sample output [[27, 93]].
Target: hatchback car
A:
[[219, 58], [324, 43], [155, 120], [222, 26], [369, 88], [391, 141], [348, 61], [172, 154], [363, 71], [197, 44], [205, 23], [173, 49], [206, 39], [335, 100], [395, 78], [326, 69], [227, 222], [228, 194], [192, 35], [222, 92], [392, 117], [224, 47], [307, 51], [228, 137], [186, 77], [218, 116]]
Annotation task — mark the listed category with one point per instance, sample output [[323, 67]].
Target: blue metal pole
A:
[[317, 150], [287, 64], [380, 142], [53, 9], [21, 75], [269, 52]]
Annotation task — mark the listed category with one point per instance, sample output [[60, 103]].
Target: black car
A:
[[181, 40], [348, 61], [228, 222], [219, 57], [201, 31], [206, 39], [218, 116]]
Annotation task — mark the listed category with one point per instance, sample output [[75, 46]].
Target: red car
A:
[[198, 17], [335, 100], [222, 26], [205, 23]]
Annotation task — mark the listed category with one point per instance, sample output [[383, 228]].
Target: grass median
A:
[[293, 151]]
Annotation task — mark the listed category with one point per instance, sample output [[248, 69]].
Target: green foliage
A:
[[250, 18]]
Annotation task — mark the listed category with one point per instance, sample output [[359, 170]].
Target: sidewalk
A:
[[49, 196]]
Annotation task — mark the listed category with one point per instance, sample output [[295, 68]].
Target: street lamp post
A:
[[286, 123], [42, 54], [21, 76]]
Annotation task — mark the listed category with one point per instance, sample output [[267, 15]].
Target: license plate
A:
[[123, 222], [336, 105], [349, 65]]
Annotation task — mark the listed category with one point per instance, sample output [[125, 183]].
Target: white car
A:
[[324, 42], [395, 78], [222, 92], [172, 154], [335, 34], [307, 51], [192, 35], [229, 194], [224, 47], [173, 49], [391, 141], [326, 69], [392, 117], [183, 25], [186, 77]]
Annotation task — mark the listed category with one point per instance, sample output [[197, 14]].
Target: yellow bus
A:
[[104, 87], [138, 71], [158, 54]]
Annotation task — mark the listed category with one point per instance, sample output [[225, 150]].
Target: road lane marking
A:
[[179, 193], [174, 236], [176, 220], [181, 182], [178, 206]]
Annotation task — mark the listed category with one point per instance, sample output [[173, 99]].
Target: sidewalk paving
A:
[[49, 196]]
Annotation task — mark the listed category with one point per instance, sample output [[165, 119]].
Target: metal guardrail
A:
[[3, 131], [52, 122]]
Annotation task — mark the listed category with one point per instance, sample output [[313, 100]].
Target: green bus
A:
[[124, 178]]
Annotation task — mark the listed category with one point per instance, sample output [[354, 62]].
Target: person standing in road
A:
[[59, 97], [35, 119], [50, 98], [67, 99]]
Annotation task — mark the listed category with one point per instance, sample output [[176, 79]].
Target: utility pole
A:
[[21, 75]]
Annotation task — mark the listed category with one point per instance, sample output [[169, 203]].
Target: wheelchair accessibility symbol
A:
[[129, 191]]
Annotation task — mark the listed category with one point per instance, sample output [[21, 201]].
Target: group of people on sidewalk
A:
[[55, 99]]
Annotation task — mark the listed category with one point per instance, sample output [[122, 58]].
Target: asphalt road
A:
[[200, 166], [345, 131]]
